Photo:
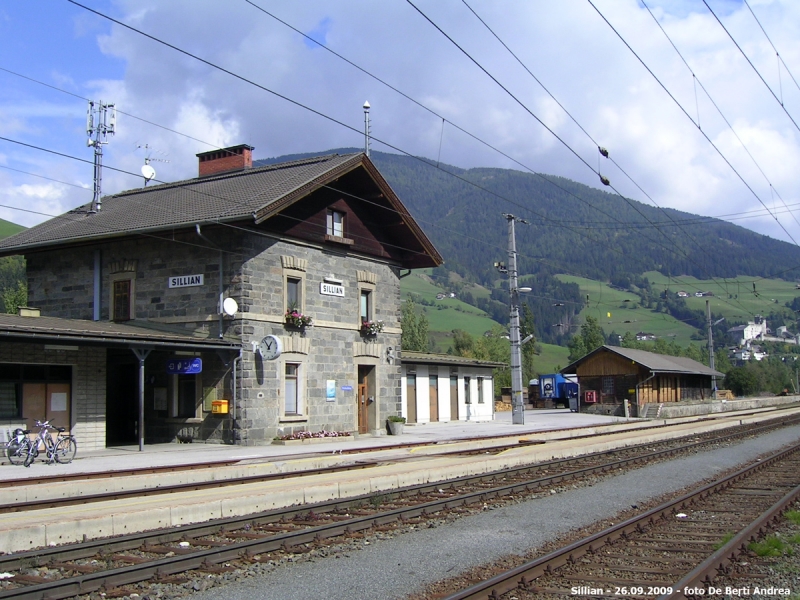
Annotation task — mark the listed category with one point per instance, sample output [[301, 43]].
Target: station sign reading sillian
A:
[[185, 281], [330, 289]]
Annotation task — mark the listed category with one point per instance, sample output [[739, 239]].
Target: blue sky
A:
[[567, 45]]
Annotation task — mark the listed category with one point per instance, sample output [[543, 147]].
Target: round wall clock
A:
[[270, 347]]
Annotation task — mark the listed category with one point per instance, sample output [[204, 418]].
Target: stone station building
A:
[[250, 302]]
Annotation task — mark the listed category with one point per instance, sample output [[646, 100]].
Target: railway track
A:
[[214, 547], [673, 551]]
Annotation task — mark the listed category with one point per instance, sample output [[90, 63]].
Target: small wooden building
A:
[[610, 375]]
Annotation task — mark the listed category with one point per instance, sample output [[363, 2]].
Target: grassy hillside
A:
[[7, 228], [444, 315], [733, 298], [626, 313]]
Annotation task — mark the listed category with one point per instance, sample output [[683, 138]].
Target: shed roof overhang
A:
[[76, 332]]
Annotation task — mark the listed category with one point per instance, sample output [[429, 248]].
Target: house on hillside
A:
[[753, 330], [611, 376], [244, 304]]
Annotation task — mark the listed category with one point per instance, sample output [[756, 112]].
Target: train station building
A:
[[247, 303]]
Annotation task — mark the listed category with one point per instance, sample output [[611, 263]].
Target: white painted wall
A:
[[475, 411]]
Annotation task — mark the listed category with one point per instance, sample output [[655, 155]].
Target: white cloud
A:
[[566, 44]]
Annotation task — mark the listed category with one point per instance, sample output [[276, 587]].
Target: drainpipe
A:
[[234, 385], [220, 299], [638, 404], [97, 275]]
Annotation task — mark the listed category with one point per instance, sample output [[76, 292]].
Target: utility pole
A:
[[711, 348], [517, 405], [101, 121]]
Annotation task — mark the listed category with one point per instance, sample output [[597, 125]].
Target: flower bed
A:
[[313, 437]]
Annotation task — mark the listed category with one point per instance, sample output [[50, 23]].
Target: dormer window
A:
[[335, 225]]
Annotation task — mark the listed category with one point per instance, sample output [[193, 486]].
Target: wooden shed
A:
[[610, 375]]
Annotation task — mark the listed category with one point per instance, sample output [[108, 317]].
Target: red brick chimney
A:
[[235, 158]]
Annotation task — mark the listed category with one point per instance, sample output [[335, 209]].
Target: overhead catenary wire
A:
[[262, 87], [757, 72], [696, 81], [530, 112], [683, 110]]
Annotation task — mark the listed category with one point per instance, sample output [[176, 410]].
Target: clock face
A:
[[270, 347]]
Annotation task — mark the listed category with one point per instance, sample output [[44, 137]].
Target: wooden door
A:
[[454, 397], [411, 398], [433, 394], [362, 406], [34, 403]]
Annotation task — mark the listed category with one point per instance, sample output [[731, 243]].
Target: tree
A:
[[415, 328], [590, 338], [526, 328], [13, 298], [742, 381]]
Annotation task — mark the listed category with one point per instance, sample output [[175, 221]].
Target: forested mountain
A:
[[574, 229]]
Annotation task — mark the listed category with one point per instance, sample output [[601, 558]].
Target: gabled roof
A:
[[656, 363], [252, 195]]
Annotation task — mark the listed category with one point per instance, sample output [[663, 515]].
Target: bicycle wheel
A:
[[16, 452], [32, 453], [65, 450]]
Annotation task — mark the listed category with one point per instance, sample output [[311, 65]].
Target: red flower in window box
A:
[[371, 327], [297, 319]]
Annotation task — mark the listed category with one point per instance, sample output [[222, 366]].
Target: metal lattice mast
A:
[[101, 121]]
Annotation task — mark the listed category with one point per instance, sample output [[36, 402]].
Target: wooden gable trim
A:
[[406, 220]]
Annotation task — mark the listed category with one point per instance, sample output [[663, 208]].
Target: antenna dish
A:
[[229, 306], [148, 172]]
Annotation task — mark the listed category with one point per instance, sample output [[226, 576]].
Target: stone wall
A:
[[330, 350]]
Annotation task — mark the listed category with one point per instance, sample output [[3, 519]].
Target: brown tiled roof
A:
[[657, 363], [54, 330], [226, 197]]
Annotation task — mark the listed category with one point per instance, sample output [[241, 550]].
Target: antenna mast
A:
[[366, 128], [101, 121]]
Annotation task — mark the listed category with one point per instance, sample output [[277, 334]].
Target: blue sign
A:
[[184, 366], [347, 388]]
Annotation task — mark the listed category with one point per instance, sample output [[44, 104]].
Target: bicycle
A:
[[61, 450], [18, 447]]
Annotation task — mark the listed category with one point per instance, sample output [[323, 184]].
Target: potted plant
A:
[[294, 318], [371, 327], [395, 423]]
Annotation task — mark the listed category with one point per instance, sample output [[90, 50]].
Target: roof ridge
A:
[[228, 174]]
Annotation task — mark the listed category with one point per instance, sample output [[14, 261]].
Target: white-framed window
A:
[[335, 223], [480, 390], [294, 291], [467, 394], [293, 389], [365, 305], [121, 301]]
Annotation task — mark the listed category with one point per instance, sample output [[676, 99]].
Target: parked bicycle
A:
[[18, 446], [61, 449]]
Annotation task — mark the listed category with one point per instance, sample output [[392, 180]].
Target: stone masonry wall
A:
[[327, 350]]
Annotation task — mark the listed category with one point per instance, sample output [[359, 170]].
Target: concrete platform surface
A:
[[129, 457]]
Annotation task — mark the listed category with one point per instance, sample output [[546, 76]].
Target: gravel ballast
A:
[[396, 566]]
